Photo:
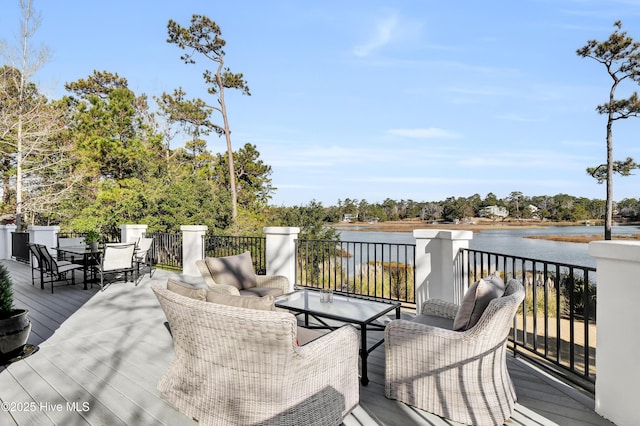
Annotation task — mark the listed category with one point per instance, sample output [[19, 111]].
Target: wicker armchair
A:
[[237, 366], [263, 282], [460, 375]]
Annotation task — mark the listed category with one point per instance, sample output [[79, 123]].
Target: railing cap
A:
[[628, 251], [133, 226], [193, 228], [443, 234], [43, 228], [281, 230]]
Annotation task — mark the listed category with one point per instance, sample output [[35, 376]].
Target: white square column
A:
[[132, 232], [281, 251], [6, 240], [617, 320], [436, 252], [192, 248]]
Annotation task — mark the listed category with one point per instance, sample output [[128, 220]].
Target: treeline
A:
[[102, 156], [560, 207]]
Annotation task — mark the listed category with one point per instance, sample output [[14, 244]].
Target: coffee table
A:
[[352, 310]]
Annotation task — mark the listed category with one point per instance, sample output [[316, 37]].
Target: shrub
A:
[[583, 304], [6, 292]]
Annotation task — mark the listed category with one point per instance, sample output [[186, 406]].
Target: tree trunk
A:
[[609, 203], [26, 33], [19, 159], [227, 134]]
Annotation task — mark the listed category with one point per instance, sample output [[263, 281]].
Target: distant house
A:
[[533, 210], [494, 211], [348, 217]]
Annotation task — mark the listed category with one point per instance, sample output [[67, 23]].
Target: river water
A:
[[512, 241]]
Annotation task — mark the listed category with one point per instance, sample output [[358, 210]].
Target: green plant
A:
[[584, 296], [92, 237], [6, 292]]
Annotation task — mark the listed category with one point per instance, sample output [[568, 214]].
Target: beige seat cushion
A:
[[186, 290], [476, 300], [235, 270], [261, 291], [434, 320], [306, 335], [266, 303]]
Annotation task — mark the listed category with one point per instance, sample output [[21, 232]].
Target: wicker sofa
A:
[[238, 366], [243, 281], [459, 375]]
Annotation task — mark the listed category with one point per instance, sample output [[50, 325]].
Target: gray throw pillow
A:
[[476, 300], [186, 290], [236, 270], [497, 282]]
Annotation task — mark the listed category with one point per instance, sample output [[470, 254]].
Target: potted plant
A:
[[92, 238], [15, 325]]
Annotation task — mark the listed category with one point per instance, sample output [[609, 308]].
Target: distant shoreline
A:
[[476, 225], [582, 238], [479, 226]]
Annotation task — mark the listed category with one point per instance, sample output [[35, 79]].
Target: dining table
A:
[[82, 254]]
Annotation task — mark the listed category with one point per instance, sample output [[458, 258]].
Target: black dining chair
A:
[[53, 269]]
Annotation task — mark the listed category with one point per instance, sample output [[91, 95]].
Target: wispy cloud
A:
[[392, 29], [413, 180], [425, 133], [296, 186], [314, 158], [536, 160], [321, 157], [519, 118], [448, 182], [382, 34], [582, 143]]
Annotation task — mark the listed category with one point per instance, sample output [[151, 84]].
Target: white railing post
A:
[[132, 232], [617, 319], [47, 235], [192, 248], [281, 252], [6, 240], [436, 251]]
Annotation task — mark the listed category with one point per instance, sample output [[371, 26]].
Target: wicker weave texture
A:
[[461, 376], [268, 281], [439, 308], [236, 366]]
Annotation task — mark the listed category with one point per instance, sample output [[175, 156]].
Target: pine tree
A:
[[6, 292]]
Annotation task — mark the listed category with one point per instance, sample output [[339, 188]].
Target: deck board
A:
[[46, 310], [110, 349]]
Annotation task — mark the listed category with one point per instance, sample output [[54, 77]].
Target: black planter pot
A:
[[14, 332]]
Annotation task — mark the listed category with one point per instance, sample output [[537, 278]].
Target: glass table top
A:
[[343, 307], [82, 249]]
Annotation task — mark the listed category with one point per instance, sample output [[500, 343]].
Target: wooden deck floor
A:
[[102, 353]]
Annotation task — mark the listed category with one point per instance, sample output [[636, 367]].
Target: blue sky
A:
[[370, 99]]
